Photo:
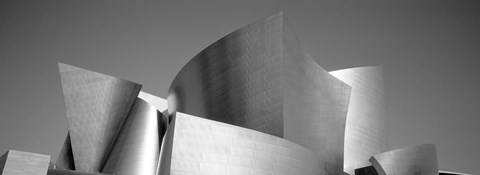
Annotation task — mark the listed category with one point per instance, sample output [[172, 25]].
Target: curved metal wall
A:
[[260, 78], [236, 80], [366, 131], [315, 105], [137, 147], [201, 146], [96, 107], [420, 159]]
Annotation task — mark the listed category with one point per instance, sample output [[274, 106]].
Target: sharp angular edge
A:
[[65, 158], [96, 107]]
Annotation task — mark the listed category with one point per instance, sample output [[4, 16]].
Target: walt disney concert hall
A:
[[252, 103]]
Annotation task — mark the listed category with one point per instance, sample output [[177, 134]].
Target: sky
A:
[[429, 51]]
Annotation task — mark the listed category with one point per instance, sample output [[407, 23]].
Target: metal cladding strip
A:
[[236, 80], [451, 173], [165, 158], [202, 146], [420, 159], [96, 106], [65, 158], [366, 125], [137, 147], [20, 163]]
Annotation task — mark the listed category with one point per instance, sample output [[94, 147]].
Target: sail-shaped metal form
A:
[[96, 106]]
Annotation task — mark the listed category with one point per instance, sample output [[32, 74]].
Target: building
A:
[[253, 102], [19, 163]]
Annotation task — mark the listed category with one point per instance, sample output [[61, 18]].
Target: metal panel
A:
[[65, 158], [3, 160], [420, 159], [96, 106], [451, 173], [315, 105], [202, 146], [159, 103], [137, 147], [21, 163], [366, 128], [259, 77], [236, 80]]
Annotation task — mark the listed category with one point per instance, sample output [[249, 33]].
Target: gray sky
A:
[[428, 49]]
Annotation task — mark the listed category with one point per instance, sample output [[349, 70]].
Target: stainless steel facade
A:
[[259, 77], [202, 146], [236, 80], [256, 104], [315, 105], [159, 103], [65, 158], [21, 163], [137, 147], [366, 131], [96, 106], [420, 159]]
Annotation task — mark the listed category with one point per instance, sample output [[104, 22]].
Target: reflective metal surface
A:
[[21, 163], [236, 80], [366, 127], [420, 159], [259, 77], [65, 158], [451, 173], [159, 103], [202, 146], [315, 105], [137, 147], [96, 106]]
